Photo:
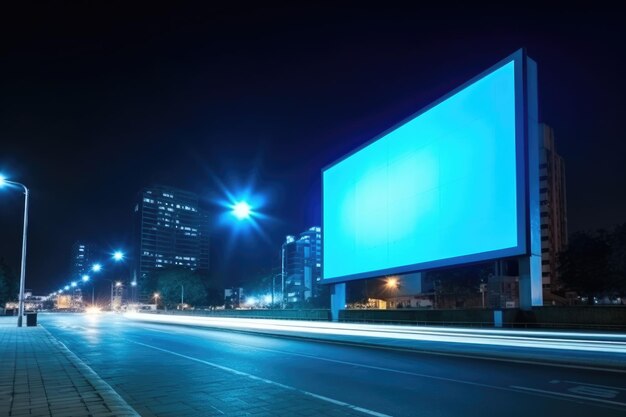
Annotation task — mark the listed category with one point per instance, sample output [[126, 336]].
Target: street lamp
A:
[[96, 267], [242, 210], [133, 285], [118, 256], [156, 299], [86, 279], [3, 182], [392, 283]]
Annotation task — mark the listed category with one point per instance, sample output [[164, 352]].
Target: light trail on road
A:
[[573, 341]]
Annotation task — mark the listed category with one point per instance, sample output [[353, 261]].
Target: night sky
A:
[[99, 101]]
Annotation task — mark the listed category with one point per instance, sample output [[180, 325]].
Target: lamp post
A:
[[118, 284], [3, 182], [86, 279]]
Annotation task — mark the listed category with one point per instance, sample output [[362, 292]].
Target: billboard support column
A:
[[530, 291], [337, 300]]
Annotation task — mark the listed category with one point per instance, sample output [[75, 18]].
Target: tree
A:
[[169, 282], [459, 283], [586, 267], [8, 284], [617, 243]]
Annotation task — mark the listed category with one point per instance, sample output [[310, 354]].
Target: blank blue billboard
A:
[[442, 188]]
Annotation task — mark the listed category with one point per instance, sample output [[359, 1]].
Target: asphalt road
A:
[[176, 370]]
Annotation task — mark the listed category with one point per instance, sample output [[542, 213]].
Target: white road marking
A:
[[398, 371], [401, 349], [561, 394], [256, 378], [595, 385]]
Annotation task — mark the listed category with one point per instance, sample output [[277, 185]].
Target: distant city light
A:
[[60, 291], [251, 301], [85, 278], [74, 284], [241, 210], [118, 255], [267, 298], [67, 287], [118, 284], [96, 268], [133, 283]]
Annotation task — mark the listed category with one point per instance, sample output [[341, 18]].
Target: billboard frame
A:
[[525, 96]]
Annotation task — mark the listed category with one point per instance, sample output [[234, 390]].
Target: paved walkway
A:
[[39, 376]]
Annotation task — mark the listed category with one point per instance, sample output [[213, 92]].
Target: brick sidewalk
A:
[[41, 377]]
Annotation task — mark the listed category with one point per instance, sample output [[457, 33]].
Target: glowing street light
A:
[[67, 287], [85, 278], [74, 284], [242, 210], [3, 183], [392, 283], [118, 256], [118, 284], [96, 267]]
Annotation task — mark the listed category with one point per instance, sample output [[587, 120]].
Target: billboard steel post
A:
[[337, 300]]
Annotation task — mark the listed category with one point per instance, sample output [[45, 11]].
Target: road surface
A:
[[170, 370]]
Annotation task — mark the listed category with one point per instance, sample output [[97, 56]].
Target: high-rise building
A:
[[81, 258], [170, 231], [302, 265], [553, 209]]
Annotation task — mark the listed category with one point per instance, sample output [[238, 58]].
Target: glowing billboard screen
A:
[[443, 188]]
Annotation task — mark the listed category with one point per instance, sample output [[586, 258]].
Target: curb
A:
[[113, 401]]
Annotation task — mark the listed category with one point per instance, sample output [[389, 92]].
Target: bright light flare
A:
[[93, 310], [85, 278], [392, 283], [3, 180], [242, 210], [96, 268], [118, 256]]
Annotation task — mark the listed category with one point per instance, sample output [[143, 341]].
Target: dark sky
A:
[[99, 101]]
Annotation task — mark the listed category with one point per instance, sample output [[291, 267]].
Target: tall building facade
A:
[[553, 209], [170, 231], [80, 259], [302, 265]]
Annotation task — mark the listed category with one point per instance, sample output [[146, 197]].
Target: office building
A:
[[553, 210], [81, 259], [171, 230], [302, 265]]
